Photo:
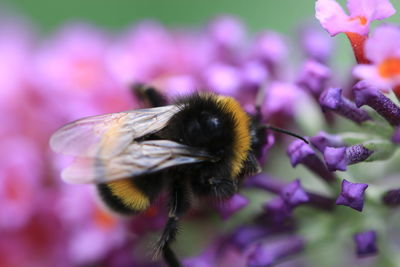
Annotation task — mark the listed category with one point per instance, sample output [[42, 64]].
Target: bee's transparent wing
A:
[[137, 159], [106, 135]]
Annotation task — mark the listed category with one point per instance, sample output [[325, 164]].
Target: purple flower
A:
[[254, 73], [267, 254], [246, 235], [223, 79], [265, 182], [352, 195], [365, 94], [74, 60], [293, 194], [74, 63], [365, 243], [335, 158], [16, 54], [93, 231], [21, 172], [178, 85], [362, 13], [278, 210], [313, 77], [339, 158], [229, 207], [270, 141], [281, 97], [316, 44], [332, 99], [205, 259], [42, 238], [383, 51], [225, 38], [227, 31], [392, 198], [136, 56], [396, 136], [323, 140], [299, 152], [277, 186], [271, 49], [218, 253]]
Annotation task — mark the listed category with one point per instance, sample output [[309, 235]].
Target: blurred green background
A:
[[279, 15], [258, 14]]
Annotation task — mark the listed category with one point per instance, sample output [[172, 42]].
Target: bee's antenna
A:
[[273, 128], [259, 102]]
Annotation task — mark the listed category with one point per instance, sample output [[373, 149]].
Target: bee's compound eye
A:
[[213, 123], [209, 121], [203, 129], [213, 127], [193, 129]]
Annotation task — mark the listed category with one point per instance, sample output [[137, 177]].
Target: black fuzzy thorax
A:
[[191, 126]]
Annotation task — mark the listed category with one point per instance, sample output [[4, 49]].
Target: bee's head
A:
[[204, 129], [217, 124], [203, 123]]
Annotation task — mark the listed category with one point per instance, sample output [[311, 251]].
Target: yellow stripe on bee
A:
[[131, 196], [241, 144], [124, 189]]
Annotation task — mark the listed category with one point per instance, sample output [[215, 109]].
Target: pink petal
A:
[[383, 43], [370, 9], [332, 17], [370, 74]]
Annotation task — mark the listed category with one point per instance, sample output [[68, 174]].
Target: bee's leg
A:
[[149, 95], [169, 257], [223, 188], [179, 204]]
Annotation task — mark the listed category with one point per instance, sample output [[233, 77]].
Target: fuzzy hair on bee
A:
[[202, 145]]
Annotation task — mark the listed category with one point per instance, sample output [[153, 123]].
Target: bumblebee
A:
[[203, 145]]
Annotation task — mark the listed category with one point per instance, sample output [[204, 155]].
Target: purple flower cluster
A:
[[372, 138], [82, 71]]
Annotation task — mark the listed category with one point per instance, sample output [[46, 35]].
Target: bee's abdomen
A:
[[131, 195], [113, 201]]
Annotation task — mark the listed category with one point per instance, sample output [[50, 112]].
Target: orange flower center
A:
[[389, 67], [361, 19]]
